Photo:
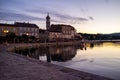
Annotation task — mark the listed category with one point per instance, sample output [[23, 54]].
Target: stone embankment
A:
[[11, 47], [17, 67]]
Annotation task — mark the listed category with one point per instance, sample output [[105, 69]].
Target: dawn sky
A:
[[87, 16]]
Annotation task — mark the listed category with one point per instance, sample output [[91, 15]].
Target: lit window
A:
[[5, 31], [27, 34]]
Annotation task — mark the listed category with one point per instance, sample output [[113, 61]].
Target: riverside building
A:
[[20, 29]]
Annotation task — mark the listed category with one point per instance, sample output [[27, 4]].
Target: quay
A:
[[11, 47], [17, 67]]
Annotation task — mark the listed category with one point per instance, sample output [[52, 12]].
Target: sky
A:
[[87, 16]]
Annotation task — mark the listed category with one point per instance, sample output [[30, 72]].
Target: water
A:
[[100, 58]]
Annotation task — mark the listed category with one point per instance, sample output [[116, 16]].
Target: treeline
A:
[[12, 38], [99, 36]]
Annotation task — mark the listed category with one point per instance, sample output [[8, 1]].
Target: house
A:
[[19, 29], [61, 32], [5, 28]]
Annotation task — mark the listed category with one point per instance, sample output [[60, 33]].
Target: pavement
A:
[[17, 67]]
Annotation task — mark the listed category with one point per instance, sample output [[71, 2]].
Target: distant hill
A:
[[112, 34], [100, 36], [115, 34]]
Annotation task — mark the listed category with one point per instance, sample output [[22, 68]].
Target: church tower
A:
[[48, 22]]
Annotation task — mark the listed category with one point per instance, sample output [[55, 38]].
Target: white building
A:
[[19, 29]]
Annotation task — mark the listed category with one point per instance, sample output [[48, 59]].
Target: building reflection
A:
[[63, 53], [52, 53], [91, 45], [56, 53]]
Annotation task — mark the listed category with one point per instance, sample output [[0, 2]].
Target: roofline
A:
[[62, 25], [15, 25]]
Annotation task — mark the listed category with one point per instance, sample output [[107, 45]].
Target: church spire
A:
[[48, 17], [48, 22]]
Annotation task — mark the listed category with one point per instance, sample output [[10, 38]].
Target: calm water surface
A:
[[100, 58]]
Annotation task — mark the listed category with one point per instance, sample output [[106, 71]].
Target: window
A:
[[5, 31], [21, 28], [24, 28], [27, 34], [35, 34], [14, 29], [28, 29], [36, 29], [21, 34]]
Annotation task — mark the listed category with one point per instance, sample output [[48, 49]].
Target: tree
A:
[[25, 38], [10, 37], [32, 38], [2, 39]]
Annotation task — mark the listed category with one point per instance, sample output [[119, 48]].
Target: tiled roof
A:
[[18, 24], [25, 25], [42, 31], [55, 28], [58, 27], [6, 25]]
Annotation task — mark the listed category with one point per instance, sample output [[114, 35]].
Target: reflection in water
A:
[[54, 53], [98, 58], [91, 45], [62, 54]]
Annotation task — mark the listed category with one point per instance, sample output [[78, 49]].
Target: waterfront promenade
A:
[[17, 67]]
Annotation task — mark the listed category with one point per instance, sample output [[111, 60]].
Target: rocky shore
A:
[[17, 67]]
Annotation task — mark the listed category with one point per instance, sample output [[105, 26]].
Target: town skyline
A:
[[95, 16]]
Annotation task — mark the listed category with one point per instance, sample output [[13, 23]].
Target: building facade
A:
[[59, 31], [20, 29], [5, 28]]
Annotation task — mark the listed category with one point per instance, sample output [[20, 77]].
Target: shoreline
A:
[[69, 74], [12, 46]]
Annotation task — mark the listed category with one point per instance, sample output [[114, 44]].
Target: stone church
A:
[[59, 32]]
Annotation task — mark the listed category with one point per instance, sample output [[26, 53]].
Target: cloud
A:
[[8, 16], [22, 17], [1, 2], [106, 1], [91, 18], [57, 16], [69, 19], [41, 10], [83, 11]]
